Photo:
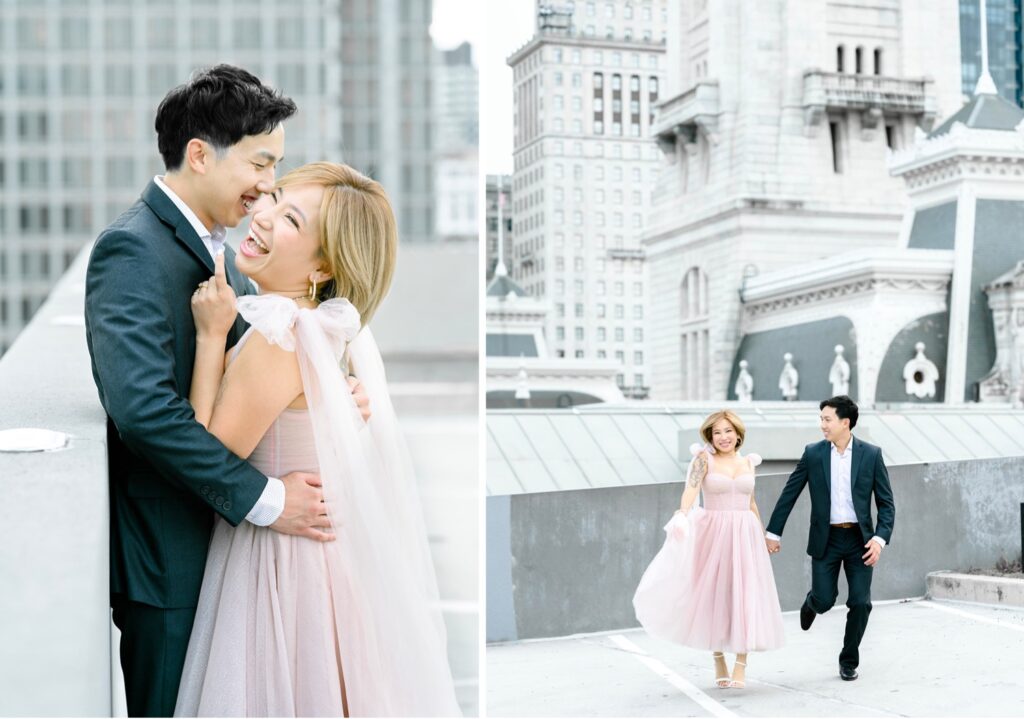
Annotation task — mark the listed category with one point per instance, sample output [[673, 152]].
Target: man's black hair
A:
[[220, 105], [845, 408]]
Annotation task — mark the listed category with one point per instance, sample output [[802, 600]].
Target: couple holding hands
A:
[[711, 586]]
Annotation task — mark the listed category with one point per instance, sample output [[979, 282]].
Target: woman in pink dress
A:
[[288, 625], [711, 586]]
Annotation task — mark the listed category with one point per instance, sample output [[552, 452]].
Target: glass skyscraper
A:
[[1004, 46]]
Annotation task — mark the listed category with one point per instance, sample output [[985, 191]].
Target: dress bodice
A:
[[725, 493], [288, 445]]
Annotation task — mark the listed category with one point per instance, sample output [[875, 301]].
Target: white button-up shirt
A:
[[271, 503], [212, 239], [842, 492]]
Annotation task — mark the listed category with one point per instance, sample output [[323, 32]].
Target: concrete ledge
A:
[[981, 588]]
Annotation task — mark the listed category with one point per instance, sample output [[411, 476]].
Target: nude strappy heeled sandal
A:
[[721, 682], [739, 683]]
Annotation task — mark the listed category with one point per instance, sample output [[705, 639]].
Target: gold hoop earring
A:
[[312, 291]]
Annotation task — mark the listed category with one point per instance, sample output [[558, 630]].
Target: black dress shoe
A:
[[806, 617], [847, 674]]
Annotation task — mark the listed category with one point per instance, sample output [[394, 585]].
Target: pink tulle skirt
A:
[[711, 585]]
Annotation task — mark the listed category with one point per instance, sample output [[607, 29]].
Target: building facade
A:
[[457, 168], [775, 133], [388, 105], [497, 192], [585, 89]]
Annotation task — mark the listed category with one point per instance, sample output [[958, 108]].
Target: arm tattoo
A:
[[700, 466]]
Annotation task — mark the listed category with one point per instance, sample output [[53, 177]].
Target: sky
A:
[[494, 34], [507, 26]]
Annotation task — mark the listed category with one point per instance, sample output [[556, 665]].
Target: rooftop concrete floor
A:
[[919, 658]]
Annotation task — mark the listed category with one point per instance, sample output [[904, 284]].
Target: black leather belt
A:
[[844, 525]]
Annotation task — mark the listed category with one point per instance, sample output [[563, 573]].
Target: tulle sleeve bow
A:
[[696, 448], [274, 317], [755, 459]]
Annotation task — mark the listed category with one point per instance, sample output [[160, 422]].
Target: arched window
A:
[[840, 56], [859, 60], [694, 315], [878, 61]]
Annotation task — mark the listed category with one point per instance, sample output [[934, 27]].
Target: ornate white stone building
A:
[[585, 87], [775, 129]]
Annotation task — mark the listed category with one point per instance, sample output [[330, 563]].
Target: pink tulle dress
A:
[[711, 585]]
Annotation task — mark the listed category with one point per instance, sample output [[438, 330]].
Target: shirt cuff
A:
[[769, 535], [878, 539], [270, 504]]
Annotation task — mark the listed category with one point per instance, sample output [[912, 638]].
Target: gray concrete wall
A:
[[577, 556], [55, 652]]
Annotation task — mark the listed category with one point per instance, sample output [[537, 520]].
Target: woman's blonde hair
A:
[[358, 234], [706, 429]]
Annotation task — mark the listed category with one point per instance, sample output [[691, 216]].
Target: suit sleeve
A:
[[132, 346], [884, 502], [794, 486]]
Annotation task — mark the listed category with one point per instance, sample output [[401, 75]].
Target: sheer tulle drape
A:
[[375, 584]]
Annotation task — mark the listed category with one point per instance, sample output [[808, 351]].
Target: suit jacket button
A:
[[219, 501], [227, 506], [205, 489]]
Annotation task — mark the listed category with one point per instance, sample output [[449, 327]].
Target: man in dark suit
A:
[[221, 138], [843, 472]]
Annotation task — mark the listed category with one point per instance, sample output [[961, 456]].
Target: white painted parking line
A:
[[671, 677], [976, 617]]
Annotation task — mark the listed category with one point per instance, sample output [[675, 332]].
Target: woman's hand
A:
[[213, 304]]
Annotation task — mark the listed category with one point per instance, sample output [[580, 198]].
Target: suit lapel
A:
[[858, 451], [161, 204], [826, 466]]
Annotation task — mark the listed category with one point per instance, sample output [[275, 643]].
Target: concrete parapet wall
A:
[[575, 557], [1005, 591], [55, 656]]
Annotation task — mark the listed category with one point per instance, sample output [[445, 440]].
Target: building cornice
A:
[[849, 275]]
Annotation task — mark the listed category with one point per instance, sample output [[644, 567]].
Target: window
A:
[[638, 312], [558, 102], [598, 81], [560, 309], [835, 132], [598, 104], [579, 354], [634, 83], [577, 287], [578, 264], [638, 289], [878, 61], [620, 289], [616, 82], [598, 127], [556, 54], [579, 334], [559, 333], [577, 103], [601, 309], [620, 334], [601, 354], [638, 334], [840, 57], [576, 57], [579, 310], [638, 380], [638, 357], [858, 59], [600, 288], [620, 312], [601, 334]]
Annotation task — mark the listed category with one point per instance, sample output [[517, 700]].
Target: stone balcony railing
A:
[[680, 118], [872, 95]]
